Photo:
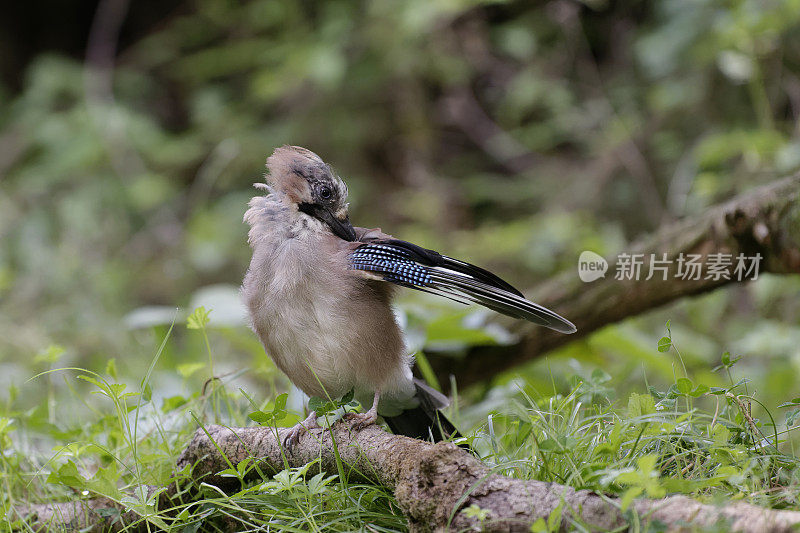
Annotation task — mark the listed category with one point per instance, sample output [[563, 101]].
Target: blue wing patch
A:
[[394, 264], [409, 265]]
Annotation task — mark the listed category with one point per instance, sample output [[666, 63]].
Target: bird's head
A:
[[301, 178]]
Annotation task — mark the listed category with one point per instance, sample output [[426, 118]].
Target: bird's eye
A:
[[325, 192]]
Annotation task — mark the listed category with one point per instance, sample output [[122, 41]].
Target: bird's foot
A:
[[363, 420], [294, 434]]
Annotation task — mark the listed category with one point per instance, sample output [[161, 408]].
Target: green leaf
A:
[[684, 385], [198, 319], [187, 369], [147, 393], [347, 398], [791, 403], [321, 406], [743, 381], [647, 463], [700, 390], [629, 496], [244, 466], [280, 401], [278, 410], [727, 362], [228, 472], [664, 344], [260, 417], [94, 381], [105, 481], [475, 511], [173, 402], [655, 393], [111, 368], [67, 474], [641, 404], [49, 355], [539, 526], [319, 483]]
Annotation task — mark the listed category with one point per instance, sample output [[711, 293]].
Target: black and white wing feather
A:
[[412, 266]]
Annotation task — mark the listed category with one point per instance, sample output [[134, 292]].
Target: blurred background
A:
[[511, 134]]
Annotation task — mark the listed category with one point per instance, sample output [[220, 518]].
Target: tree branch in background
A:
[[434, 484], [764, 221]]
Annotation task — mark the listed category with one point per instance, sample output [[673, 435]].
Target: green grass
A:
[[684, 437]]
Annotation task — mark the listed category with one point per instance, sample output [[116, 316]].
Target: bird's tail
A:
[[426, 421]]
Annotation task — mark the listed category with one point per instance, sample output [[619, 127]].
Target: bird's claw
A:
[[362, 420], [293, 435]]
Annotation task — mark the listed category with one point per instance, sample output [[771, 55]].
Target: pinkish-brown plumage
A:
[[328, 328], [319, 294]]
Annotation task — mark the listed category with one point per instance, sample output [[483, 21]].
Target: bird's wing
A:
[[409, 265]]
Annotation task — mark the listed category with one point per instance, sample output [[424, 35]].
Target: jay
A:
[[319, 292]]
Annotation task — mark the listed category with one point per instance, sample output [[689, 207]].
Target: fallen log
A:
[[433, 484]]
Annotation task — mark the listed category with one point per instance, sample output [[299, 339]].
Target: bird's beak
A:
[[340, 226]]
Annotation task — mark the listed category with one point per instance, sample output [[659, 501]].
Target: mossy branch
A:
[[433, 485]]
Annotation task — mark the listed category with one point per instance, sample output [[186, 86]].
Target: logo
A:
[[591, 266]]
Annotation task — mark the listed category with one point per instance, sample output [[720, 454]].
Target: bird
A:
[[319, 296]]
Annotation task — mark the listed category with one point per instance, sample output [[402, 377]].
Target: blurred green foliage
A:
[[511, 134]]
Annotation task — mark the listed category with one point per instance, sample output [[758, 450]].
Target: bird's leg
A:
[[370, 417], [293, 436]]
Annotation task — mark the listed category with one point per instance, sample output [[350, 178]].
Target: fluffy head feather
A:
[[299, 176]]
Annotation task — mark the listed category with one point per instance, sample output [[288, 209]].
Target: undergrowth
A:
[[687, 437]]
